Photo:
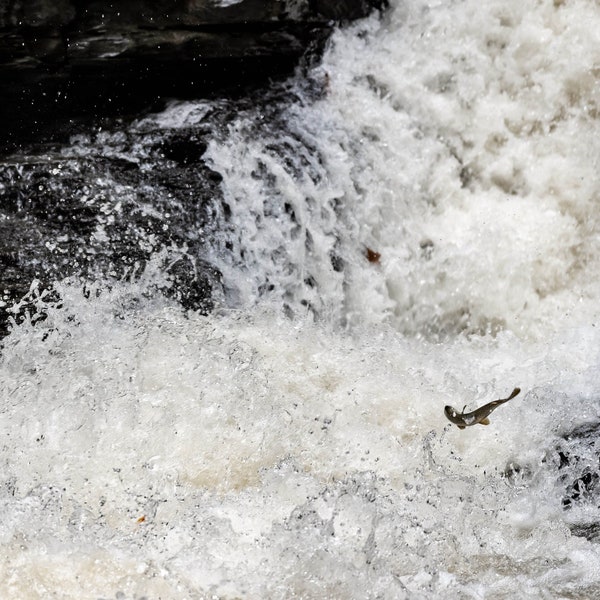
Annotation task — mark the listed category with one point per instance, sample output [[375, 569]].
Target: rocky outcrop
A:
[[76, 57], [117, 195], [101, 208]]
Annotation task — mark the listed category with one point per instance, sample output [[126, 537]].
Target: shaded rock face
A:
[[573, 462], [87, 194], [123, 198], [73, 58], [577, 460], [579, 465], [101, 208]]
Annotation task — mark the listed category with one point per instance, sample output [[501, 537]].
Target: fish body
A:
[[479, 415]]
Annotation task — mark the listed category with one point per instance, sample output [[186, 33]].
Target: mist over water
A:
[[292, 442]]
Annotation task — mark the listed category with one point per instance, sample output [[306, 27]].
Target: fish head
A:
[[452, 414]]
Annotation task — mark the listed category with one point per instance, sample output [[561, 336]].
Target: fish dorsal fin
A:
[[485, 421]]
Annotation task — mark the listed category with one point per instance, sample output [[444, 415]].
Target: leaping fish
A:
[[479, 415]]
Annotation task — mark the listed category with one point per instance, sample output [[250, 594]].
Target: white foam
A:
[[238, 455], [459, 144]]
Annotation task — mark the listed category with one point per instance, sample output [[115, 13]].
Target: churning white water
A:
[[293, 443]]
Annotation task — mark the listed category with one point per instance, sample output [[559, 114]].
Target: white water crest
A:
[[461, 143], [293, 443]]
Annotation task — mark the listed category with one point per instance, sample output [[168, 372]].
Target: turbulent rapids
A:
[[227, 379]]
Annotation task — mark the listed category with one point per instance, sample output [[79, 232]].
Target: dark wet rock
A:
[[575, 462], [72, 59], [576, 458], [590, 531], [104, 204], [83, 193], [101, 208], [578, 462], [344, 10]]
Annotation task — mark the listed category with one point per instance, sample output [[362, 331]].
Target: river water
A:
[[421, 230]]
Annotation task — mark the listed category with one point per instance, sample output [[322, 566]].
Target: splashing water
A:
[[292, 443]]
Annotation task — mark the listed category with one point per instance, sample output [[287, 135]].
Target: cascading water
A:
[[291, 442]]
